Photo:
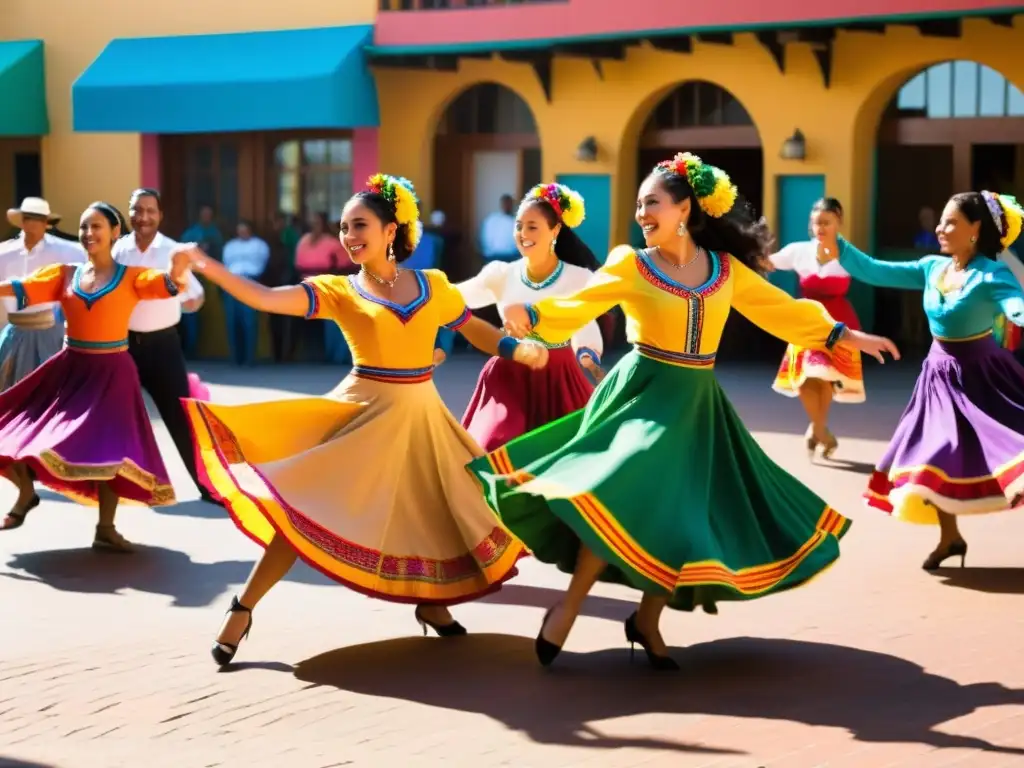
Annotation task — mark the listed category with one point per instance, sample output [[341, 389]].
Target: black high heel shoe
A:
[[223, 653], [635, 637], [955, 549], [443, 630], [546, 651], [16, 517]]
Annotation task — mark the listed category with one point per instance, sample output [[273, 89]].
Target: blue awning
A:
[[23, 89], [301, 78]]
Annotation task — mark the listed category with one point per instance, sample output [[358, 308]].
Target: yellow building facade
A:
[[608, 103]]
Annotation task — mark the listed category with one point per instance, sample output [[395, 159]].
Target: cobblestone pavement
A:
[[104, 660]]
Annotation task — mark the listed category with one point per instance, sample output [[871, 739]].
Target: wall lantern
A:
[[795, 147], [586, 152]]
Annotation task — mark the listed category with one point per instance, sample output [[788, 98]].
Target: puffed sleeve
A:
[[909, 275], [43, 286], [153, 284], [487, 287], [556, 319], [453, 312], [786, 258], [802, 322], [326, 295], [1006, 293]]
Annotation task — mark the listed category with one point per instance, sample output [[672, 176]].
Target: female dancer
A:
[[78, 423], [510, 399], [406, 523], [959, 447], [657, 484], [819, 376]]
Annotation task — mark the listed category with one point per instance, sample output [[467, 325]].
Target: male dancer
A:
[[153, 339]]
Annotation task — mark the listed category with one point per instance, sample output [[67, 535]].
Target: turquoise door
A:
[[596, 189], [795, 197]]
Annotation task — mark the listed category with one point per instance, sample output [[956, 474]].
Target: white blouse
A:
[[802, 258], [505, 283]]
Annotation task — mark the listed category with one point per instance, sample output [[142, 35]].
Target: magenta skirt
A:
[[78, 421], [511, 399]]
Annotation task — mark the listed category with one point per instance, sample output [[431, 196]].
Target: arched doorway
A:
[[955, 126], [706, 119], [486, 146]]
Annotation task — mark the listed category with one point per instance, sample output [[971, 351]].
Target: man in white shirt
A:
[[245, 255], [497, 233], [33, 334], [153, 339]]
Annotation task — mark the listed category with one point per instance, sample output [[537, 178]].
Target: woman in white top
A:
[[819, 377], [509, 402]]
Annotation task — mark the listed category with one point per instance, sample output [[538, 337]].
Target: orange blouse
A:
[[97, 321]]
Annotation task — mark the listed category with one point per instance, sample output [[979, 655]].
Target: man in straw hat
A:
[[33, 334]]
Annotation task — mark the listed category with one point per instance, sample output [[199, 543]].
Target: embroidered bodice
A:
[[96, 321], [989, 289], [504, 283], [383, 334], [681, 323]]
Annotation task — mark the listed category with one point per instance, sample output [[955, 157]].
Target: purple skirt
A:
[[959, 446], [511, 399], [78, 421]]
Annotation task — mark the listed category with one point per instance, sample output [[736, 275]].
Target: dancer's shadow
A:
[[612, 608], [845, 465], [996, 581], [197, 508], [876, 697], [154, 570], [10, 762]]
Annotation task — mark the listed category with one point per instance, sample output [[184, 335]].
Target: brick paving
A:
[[104, 661]]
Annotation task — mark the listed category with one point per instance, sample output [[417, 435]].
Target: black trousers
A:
[[162, 373]]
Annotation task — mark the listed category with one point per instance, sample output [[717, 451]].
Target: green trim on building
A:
[[23, 85]]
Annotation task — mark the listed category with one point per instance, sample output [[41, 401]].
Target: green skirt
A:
[[659, 478]]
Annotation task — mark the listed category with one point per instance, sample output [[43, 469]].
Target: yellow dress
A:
[[368, 482], [657, 475]]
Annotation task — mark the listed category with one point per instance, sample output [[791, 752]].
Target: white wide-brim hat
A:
[[31, 206]]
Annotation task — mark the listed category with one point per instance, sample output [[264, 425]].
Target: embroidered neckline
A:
[[403, 312], [546, 282], [91, 298]]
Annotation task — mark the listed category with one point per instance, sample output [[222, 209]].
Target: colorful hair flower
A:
[[566, 203], [714, 190], [1008, 216], [402, 195]]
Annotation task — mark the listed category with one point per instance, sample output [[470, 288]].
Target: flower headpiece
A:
[[567, 203], [715, 192], [1007, 215], [402, 195]]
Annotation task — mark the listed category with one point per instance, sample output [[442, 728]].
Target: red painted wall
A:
[[603, 17]]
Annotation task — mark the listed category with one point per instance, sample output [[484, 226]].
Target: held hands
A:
[[531, 354], [870, 344], [181, 265], [517, 321], [439, 356]]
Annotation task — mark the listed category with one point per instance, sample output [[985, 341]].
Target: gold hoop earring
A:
[[391, 251], [553, 242], [681, 229], [974, 239]]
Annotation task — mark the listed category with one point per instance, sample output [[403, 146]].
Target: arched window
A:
[[487, 108], [313, 176], [958, 89], [698, 104]]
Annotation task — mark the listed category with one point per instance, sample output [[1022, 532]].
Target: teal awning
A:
[[23, 89], [300, 78]]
